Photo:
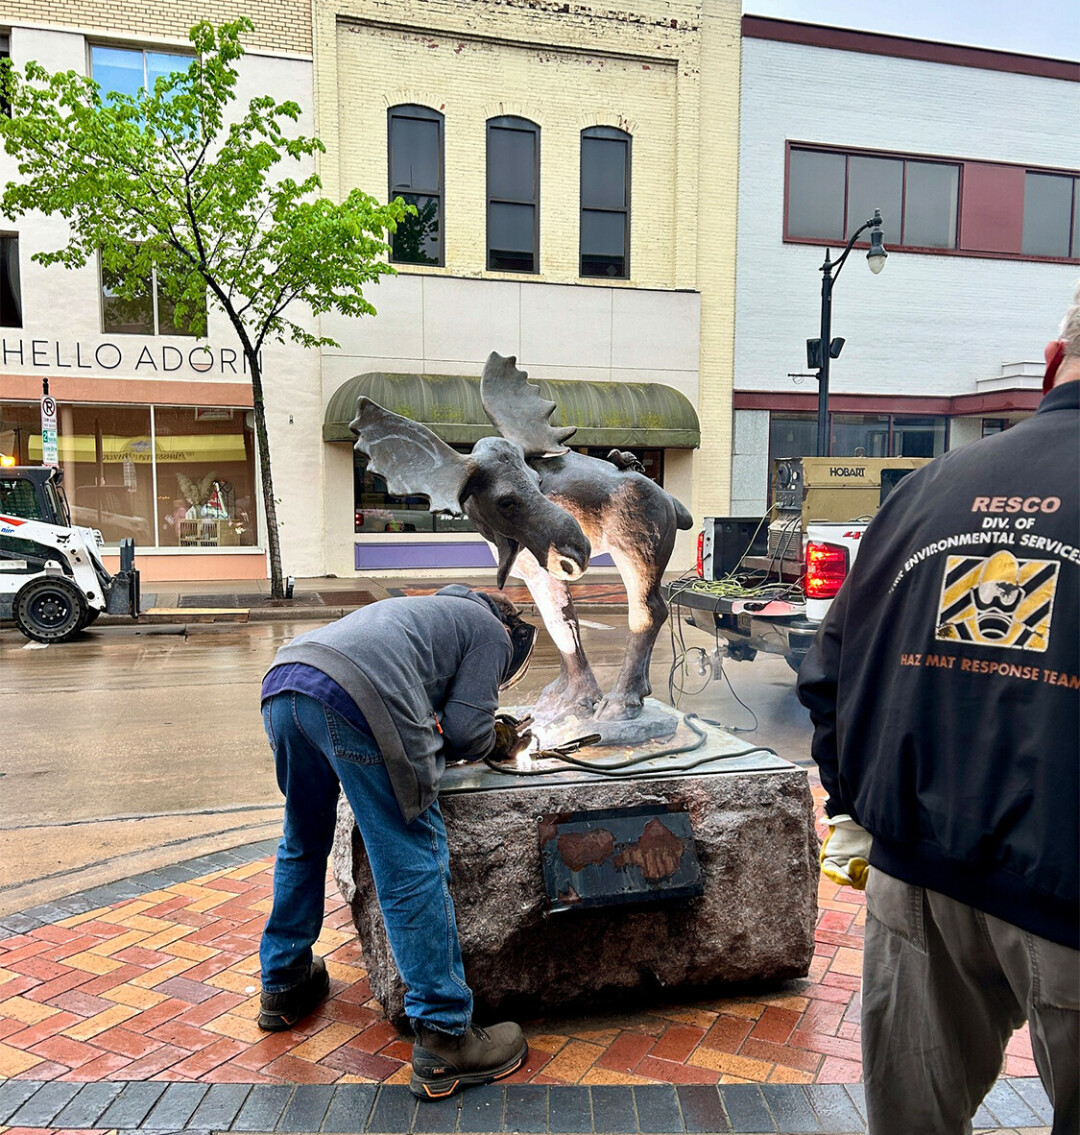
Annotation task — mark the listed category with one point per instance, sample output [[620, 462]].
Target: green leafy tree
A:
[[170, 183]]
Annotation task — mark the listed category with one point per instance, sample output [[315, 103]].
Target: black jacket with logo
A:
[[944, 683]]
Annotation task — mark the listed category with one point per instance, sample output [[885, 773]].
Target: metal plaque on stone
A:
[[615, 856]]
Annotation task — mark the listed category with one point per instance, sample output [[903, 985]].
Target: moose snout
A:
[[568, 556]]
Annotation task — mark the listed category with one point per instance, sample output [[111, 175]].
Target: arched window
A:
[[605, 202], [415, 138], [513, 190]]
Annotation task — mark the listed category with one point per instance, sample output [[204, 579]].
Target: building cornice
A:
[[1016, 400], [901, 47]]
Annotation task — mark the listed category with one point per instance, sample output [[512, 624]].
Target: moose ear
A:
[[410, 457], [517, 410], [474, 480]]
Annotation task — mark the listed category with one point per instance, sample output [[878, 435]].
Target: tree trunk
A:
[[277, 581]]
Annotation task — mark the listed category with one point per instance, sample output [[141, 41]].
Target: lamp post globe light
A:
[[820, 351]]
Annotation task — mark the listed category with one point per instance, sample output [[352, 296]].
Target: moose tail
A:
[[682, 516]]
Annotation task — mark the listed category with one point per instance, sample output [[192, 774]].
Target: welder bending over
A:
[[377, 703]]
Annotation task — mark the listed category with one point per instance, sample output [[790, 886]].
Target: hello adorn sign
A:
[[137, 357]]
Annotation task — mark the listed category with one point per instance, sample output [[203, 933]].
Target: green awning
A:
[[645, 415]]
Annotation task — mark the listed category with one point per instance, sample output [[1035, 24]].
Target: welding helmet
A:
[[522, 641]]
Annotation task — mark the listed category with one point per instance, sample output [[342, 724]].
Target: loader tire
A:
[[90, 616], [50, 610]]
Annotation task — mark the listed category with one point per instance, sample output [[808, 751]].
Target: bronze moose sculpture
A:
[[545, 509]]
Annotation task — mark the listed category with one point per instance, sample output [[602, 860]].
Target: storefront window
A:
[[19, 421], [860, 435], [918, 436], [377, 511], [205, 477], [171, 477], [105, 453], [792, 435]]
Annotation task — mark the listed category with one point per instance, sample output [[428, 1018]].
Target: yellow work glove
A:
[[845, 854]]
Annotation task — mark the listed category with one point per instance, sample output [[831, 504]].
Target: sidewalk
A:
[[131, 1007], [326, 598]]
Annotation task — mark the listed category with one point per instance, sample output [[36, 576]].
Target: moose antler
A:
[[517, 410], [409, 456]]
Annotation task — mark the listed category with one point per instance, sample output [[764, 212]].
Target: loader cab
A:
[[32, 492]]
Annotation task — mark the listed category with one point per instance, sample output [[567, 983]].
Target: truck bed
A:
[[749, 624]]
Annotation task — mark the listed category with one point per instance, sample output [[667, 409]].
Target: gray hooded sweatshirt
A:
[[425, 673]]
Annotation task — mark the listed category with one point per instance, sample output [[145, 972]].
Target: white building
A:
[[971, 156], [145, 411]]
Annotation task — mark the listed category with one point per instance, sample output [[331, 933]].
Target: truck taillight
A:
[[826, 568], [701, 554]]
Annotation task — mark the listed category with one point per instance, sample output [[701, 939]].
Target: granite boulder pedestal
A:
[[752, 821]]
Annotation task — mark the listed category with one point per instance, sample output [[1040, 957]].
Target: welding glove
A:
[[511, 737], [845, 854]]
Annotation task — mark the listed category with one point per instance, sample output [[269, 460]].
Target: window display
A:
[[166, 476], [205, 477]]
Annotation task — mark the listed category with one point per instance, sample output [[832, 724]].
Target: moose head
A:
[[494, 485]]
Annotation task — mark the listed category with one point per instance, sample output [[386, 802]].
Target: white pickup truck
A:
[[780, 619], [768, 587]]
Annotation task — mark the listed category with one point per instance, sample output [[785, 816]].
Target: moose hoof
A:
[[618, 707], [558, 705]]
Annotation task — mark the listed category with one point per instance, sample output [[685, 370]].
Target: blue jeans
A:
[[315, 751]]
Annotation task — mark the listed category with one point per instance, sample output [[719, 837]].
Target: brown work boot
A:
[[444, 1064], [279, 1011]]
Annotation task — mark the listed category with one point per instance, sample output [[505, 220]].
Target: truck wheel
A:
[[50, 610]]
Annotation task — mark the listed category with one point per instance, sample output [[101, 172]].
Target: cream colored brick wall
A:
[[280, 25], [471, 80], [718, 194], [664, 70]]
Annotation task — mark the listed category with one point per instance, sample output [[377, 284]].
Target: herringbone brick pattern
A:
[[165, 987]]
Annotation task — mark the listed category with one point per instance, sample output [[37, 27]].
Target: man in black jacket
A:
[[376, 704], [944, 687]]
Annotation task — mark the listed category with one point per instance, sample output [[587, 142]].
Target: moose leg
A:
[[647, 614], [575, 691]]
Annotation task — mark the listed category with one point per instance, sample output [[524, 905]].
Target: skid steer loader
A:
[[53, 582]]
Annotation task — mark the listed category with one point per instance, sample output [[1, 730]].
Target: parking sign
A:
[[49, 449]]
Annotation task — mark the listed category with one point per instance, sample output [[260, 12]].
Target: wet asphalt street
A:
[[130, 747]]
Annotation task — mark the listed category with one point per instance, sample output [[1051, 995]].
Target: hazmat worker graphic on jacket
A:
[[997, 601]]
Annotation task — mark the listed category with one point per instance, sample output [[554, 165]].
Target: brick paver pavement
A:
[[165, 986]]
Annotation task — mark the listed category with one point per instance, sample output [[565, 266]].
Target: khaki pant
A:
[[944, 987]]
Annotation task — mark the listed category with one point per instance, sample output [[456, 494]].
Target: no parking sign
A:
[[49, 450]]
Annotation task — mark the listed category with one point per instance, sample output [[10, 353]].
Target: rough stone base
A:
[[754, 837]]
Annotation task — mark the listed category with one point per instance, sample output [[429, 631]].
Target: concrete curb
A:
[[210, 614]]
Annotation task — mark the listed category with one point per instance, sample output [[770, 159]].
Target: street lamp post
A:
[[820, 351]]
